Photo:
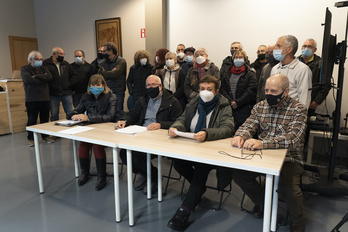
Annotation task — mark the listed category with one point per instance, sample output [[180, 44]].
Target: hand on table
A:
[[79, 117], [154, 126]]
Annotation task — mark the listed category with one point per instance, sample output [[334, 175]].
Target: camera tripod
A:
[[344, 220]]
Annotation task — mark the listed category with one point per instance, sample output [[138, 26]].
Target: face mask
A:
[[273, 100], [78, 60], [153, 92], [189, 59], [100, 56], [143, 61], [37, 63], [200, 59], [261, 56], [60, 58], [238, 62], [306, 53], [105, 56], [278, 54], [181, 55], [170, 63], [157, 59], [206, 95], [232, 52], [96, 90]]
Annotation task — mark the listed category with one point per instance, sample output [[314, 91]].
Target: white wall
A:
[[16, 19], [71, 25], [215, 24]]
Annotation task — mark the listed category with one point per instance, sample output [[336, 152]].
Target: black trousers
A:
[[35, 109]]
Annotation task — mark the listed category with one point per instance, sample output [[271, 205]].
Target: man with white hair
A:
[[64, 78], [37, 97], [300, 76]]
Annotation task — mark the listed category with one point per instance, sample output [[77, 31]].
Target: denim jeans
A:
[[55, 104], [119, 101]]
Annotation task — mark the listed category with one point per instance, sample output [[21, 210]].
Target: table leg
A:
[[268, 203], [75, 158], [115, 155], [148, 163], [159, 178], [130, 187], [38, 162], [275, 204], [310, 147]]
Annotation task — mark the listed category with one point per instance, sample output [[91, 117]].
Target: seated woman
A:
[[99, 103], [239, 86]]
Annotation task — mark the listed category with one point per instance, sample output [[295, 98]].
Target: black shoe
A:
[[83, 179], [180, 220], [297, 227], [140, 182], [101, 183], [154, 188], [258, 211]]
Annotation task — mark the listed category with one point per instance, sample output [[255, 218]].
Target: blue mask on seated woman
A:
[[96, 90]]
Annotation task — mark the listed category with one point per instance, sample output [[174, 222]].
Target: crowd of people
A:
[[262, 105]]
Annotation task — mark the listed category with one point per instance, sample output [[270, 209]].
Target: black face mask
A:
[[60, 58], [106, 56], [273, 100], [100, 56], [153, 92], [261, 56], [232, 52], [271, 60]]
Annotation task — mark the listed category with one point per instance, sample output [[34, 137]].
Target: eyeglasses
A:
[[151, 85], [244, 154], [61, 53], [40, 59], [307, 46]]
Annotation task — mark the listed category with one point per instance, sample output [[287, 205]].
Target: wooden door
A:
[[20, 47]]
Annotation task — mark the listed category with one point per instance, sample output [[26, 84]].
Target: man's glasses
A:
[[244, 154], [151, 85]]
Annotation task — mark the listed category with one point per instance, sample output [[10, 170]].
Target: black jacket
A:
[[258, 68], [102, 109], [167, 113], [84, 72], [116, 80], [61, 85], [35, 82], [245, 94], [137, 78]]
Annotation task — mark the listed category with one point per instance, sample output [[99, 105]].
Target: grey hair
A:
[[201, 50], [55, 50], [291, 41], [171, 53], [315, 42], [240, 44], [32, 55]]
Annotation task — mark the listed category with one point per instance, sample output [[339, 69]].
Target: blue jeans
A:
[[55, 104], [119, 100]]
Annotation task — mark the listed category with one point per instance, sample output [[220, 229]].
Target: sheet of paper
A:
[[75, 130], [184, 134], [131, 130]]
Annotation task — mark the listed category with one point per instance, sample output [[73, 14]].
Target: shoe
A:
[[154, 188], [140, 182], [258, 211], [101, 183], [180, 220], [83, 179], [49, 140], [297, 227], [31, 143]]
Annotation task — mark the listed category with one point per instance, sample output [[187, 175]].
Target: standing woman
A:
[[99, 103], [138, 73], [239, 86], [37, 96], [159, 61]]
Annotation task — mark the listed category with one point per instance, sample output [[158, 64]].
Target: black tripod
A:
[[344, 220]]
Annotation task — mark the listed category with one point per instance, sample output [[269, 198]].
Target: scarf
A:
[[237, 71], [204, 108], [198, 70]]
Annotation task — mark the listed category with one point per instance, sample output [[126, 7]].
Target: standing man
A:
[[180, 54], [280, 123], [114, 70], [64, 78], [261, 60], [228, 62], [319, 92], [84, 72], [190, 59], [299, 75], [97, 62]]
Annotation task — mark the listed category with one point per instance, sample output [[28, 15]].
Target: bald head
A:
[[153, 79], [278, 80]]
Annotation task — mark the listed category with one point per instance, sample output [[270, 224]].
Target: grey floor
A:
[[67, 207]]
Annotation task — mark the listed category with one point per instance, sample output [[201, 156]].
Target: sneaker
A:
[[48, 140], [31, 143], [140, 182], [154, 188], [180, 220], [258, 211]]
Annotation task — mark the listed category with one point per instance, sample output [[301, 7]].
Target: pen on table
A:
[[119, 126]]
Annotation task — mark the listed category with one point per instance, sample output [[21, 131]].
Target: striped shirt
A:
[[278, 127]]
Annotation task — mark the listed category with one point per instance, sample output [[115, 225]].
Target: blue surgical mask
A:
[[306, 52], [238, 62], [277, 54], [37, 63], [78, 60], [96, 90], [189, 59]]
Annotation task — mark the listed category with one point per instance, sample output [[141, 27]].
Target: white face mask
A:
[[143, 61], [170, 63], [200, 59], [206, 95], [181, 55], [157, 59]]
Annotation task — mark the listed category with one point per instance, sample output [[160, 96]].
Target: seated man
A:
[[280, 122], [209, 116], [158, 109]]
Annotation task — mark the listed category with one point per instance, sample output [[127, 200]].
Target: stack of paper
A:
[[131, 130]]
